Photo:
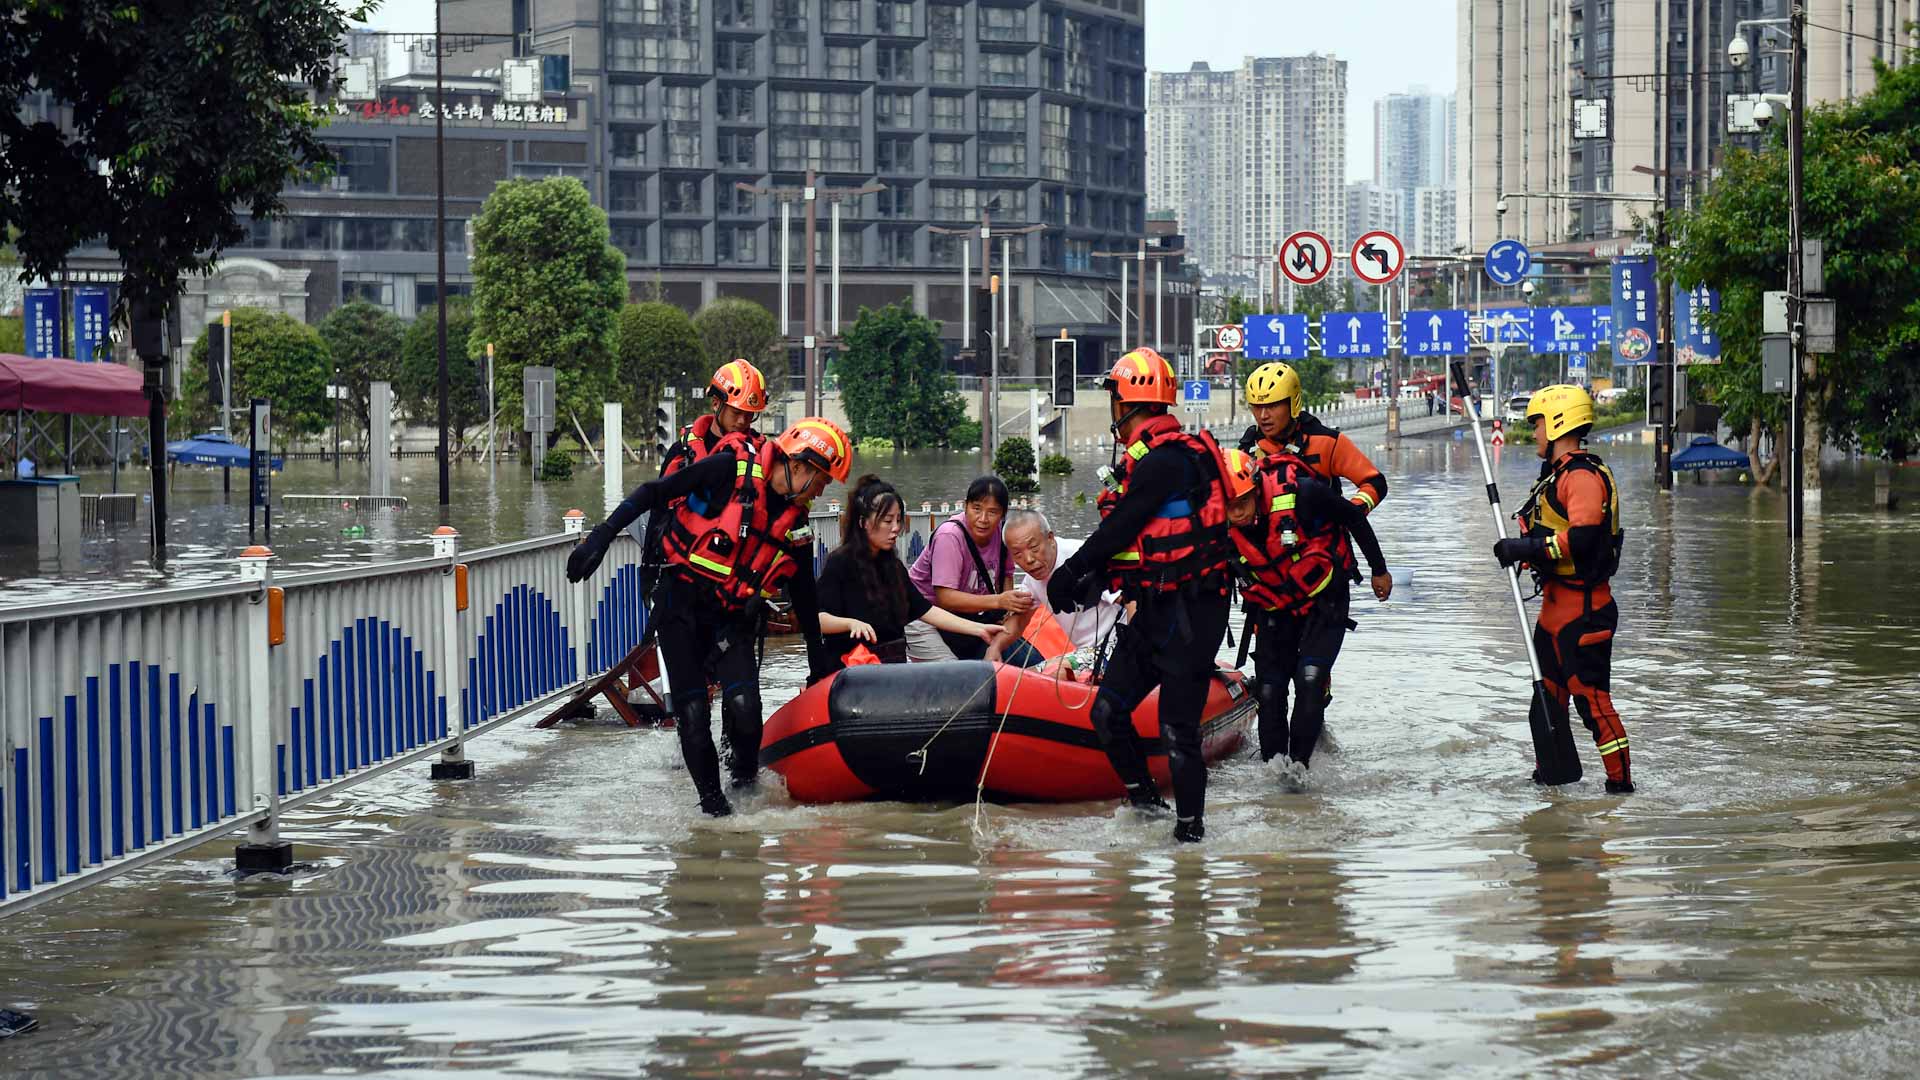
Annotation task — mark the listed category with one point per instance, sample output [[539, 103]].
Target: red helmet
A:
[[1143, 377], [819, 442], [740, 385]]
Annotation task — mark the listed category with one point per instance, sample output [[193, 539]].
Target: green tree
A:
[[365, 341], [13, 334], [732, 328], [548, 289], [1013, 462], [417, 387], [1862, 180], [276, 357], [894, 380], [658, 348], [201, 112]]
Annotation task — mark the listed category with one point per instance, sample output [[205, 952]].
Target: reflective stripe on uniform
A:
[[1137, 451], [1365, 498], [1127, 556], [1283, 502], [1616, 745], [719, 568], [1315, 591]]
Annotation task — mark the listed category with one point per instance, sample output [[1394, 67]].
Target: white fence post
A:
[[453, 763], [263, 851], [578, 614]]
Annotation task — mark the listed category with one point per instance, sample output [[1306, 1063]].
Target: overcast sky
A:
[[1388, 45]]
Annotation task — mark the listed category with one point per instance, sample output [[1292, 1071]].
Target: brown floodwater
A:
[[1420, 909]]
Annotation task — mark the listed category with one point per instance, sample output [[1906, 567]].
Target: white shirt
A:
[[1084, 628]]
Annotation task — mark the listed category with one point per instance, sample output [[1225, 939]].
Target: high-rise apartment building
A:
[[1430, 231], [1413, 149], [1526, 67], [1373, 206], [1246, 157]]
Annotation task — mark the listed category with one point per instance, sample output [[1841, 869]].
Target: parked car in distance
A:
[[1517, 408], [1610, 395]]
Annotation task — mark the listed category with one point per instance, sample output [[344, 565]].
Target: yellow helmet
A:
[[1271, 384], [1565, 410]]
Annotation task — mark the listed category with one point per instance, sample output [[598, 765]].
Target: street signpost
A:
[[1231, 338], [1508, 262], [537, 385], [1275, 337], [1562, 330], [1434, 333], [1353, 334], [259, 466], [1306, 257], [1377, 257], [1197, 393]]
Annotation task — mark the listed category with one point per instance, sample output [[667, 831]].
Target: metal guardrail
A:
[[136, 727]]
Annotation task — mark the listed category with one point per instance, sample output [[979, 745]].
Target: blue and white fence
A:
[[136, 727]]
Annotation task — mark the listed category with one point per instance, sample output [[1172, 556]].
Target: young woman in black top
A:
[[865, 597]]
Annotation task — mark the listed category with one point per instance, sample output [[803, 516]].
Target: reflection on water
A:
[[1421, 909]]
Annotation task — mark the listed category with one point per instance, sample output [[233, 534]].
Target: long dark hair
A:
[[882, 576]]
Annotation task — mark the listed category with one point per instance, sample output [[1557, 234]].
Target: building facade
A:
[[1658, 72], [1246, 157], [1373, 206], [1413, 150]]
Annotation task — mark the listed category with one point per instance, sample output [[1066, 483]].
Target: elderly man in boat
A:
[[1030, 540]]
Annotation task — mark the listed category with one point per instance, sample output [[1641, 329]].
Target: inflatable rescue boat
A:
[[935, 731]]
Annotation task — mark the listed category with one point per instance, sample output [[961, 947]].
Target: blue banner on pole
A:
[[1563, 330], [1434, 333], [90, 315], [41, 322], [1636, 314], [1275, 337], [1697, 342], [1353, 333]]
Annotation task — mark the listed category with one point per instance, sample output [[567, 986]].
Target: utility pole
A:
[[1796, 267], [1139, 257], [810, 194], [440, 258]]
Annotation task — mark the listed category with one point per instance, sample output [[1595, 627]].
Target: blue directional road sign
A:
[[1508, 262], [1512, 326], [1577, 367], [1562, 329], [1275, 337], [1197, 391], [1434, 333], [1602, 325], [1353, 333]]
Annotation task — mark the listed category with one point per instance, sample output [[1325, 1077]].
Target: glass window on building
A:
[[737, 246], [626, 194], [1003, 69], [1003, 24], [949, 112], [816, 108], [631, 238], [790, 14], [683, 150], [790, 57], [683, 245], [841, 17], [943, 24], [949, 65], [366, 165], [852, 247], [680, 196], [368, 288], [893, 154], [843, 61], [1056, 153], [949, 158], [1079, 256], [651, 52], [744, 203], [426, 293], [944, 249], [628, 101], [629, 148], [893, 17], [1003, 114], [733, 57], [895, 202], [735, 104], [733, 14], [1003, 159], [680, 102], [794, 153], [892, 110], [896, 247], [736, 150], [893, 63]]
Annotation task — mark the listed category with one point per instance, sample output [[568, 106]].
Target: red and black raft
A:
[[935, 731]]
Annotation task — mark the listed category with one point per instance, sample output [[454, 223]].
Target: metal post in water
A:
[[263, 851], [453, 763], [614, 437]]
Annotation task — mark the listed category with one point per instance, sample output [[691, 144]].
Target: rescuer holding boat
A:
[[1571, 538], [1290, 533], [1162, 542], [736, 530]]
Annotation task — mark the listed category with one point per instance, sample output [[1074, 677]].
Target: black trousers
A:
[[1170, 643], [702, 645], [1297, 651]]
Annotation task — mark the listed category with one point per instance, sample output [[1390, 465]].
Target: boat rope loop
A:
[[980, 789]]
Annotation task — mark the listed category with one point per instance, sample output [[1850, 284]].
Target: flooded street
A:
[[1421, 909]]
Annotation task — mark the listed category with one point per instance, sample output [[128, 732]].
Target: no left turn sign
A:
[[1306, 257], [1378, 257]]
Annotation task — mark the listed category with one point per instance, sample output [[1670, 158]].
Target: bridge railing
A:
[[135, 727]]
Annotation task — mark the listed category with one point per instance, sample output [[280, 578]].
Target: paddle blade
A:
[[1555, 759]]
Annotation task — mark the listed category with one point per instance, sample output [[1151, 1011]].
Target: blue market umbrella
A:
[[212, 448], [1704, 453]]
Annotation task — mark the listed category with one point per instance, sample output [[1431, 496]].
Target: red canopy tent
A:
[[69, 386]]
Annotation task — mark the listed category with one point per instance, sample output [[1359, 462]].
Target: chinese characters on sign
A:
[[1697, 342], [1633, 310], [42, 324], [90, 308], [1562, 330], [1434, 333], [498, 112]]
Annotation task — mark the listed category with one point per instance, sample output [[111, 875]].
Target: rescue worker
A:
[[738, 393], [1162, 543], [1290, 534], [1571, 538], [736, 530]]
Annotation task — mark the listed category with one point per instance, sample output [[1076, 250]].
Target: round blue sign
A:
[[1508, 262]]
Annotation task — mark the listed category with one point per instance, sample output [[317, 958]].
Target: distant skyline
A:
[[1389, 45]]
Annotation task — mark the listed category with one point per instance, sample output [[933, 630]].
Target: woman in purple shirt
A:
[[966, 570]]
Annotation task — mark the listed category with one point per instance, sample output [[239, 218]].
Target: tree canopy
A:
[[417, 385], [732, 328], [548, 288], [196, 110], [894, 380], [276, 357], [364, 340], [658, 348]]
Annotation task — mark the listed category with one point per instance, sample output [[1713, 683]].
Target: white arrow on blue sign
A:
[[1198, 391], [1353, 334], [1434, 333], [1508, 262], [1562, 329], [1275, 337], [1513, 326]]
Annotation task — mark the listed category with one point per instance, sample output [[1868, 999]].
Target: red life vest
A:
[[1285, 566], [1186, 541], [1294, 466], [737, 545], [697, 442]]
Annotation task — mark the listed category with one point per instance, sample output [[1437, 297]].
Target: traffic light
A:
[[1065, 364], [1659, 390], [982, 301], [666, 431], [216, 362]]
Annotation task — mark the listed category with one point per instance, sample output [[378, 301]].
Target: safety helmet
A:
[[1142, 377], [819, 442], [1240, 472], [1563, 410], [1271, 384], [740, 385]]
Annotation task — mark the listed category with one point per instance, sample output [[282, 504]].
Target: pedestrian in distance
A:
[[736, 531], [1571, 538], [1162, 544]]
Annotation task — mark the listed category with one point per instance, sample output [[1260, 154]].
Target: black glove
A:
[[1092, 587], [1520, 549], [585, 557], [1064, 588]]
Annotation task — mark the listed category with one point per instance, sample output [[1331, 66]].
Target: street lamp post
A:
[[440, 257]]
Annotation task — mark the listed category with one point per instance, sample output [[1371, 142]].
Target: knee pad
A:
[[1313, 682], [1107, 717], [1271, 694], [691, 708], [741, 705]]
